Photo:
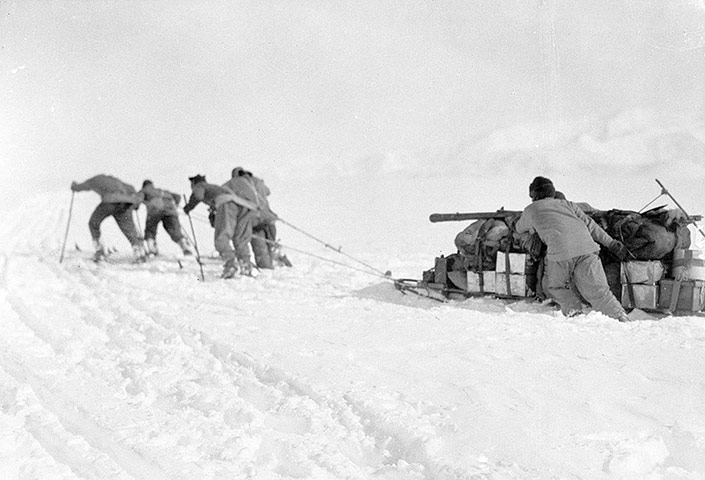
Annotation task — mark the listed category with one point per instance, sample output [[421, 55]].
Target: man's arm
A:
[[81, 187], [525, 223], [176, 197], [596, 232], [196, 197]]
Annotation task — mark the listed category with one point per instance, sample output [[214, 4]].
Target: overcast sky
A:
[[167, 89]]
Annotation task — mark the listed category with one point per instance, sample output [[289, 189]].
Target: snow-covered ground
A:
[[122, 371]]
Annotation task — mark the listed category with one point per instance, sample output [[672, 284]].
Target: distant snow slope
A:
[[122, 371]]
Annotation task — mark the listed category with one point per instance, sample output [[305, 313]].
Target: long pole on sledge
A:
[[68, 224], [664, 191], [457, 217], [195, 245]]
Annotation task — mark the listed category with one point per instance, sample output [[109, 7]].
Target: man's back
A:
[[157, 199], [110, 189], [562, 226], [243, 188]]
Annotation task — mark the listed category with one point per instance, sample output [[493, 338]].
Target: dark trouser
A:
[[261, 249], [122, 212], [233, 223], [585, 272], [169, 220]]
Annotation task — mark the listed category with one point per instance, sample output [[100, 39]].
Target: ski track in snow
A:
[[174, 379], [122, 371]]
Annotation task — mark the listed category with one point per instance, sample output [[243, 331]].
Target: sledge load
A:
[[663, 274]]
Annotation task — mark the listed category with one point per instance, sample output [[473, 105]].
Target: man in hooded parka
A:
[[162, 208], [572, 252], [117, 200], [233, 223]]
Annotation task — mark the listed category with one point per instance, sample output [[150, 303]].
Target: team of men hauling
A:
[[242, 218], [239, 212]]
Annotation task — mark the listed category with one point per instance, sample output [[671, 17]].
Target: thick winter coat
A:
[[232, 222], [563, 227], [212, 195], [242, 187], [110, 189], [159, 201], [254, 190]]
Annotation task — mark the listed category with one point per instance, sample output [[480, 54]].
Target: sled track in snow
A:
[[353, 415], [175, 382]]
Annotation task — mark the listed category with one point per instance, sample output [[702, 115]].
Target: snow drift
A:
[[319, 371]]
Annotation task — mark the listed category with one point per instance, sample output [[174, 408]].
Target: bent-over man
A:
[[117, 200], [233, 223], [572, 252], [264, 230], [162, 208]]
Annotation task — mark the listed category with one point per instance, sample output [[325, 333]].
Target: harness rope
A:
[[377, 273]]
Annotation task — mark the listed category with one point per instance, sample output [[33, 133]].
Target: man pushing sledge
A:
[[572, 252]]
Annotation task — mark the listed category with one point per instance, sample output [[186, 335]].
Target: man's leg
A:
[[172, 225], [260, 249], [224, 223], [242, 236], [123, 217], [560, 285], [101, 212], [150, 232], [126, 222], [591, 281]]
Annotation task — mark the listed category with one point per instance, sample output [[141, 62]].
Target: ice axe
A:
[[688, 217]]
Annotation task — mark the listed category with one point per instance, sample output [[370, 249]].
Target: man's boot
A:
[[245, 267], [229, 268], [279, 257], [99, 251], [139, 254], [185, 246], [152, 248]]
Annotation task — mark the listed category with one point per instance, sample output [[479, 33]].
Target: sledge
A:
[[665, 277]]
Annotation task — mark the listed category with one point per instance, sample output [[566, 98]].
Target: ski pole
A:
[[68, 224], [666, 192], [195, 245]]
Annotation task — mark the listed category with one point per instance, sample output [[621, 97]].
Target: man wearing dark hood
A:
[[572, 252]]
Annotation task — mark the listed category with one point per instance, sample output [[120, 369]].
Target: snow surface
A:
[[122, 371]]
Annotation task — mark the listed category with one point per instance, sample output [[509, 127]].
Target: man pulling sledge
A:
[[572, 255], [162, 208], [233, 222], [264, 229], [117, 200]]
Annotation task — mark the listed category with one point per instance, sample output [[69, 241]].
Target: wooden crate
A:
[[645, 296], [642, 272], [517, 263], [688, 264], [517, 283], [690, 295], [488, 279]]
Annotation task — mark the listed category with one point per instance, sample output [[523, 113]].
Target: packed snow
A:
[[323, 370]]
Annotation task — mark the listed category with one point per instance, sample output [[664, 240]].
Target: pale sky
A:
[[167, 89]]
